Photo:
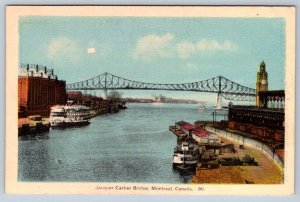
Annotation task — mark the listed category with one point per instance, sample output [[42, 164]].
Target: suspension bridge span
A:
[[220, 85]]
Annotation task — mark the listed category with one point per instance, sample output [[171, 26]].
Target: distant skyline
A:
[[158, 50]]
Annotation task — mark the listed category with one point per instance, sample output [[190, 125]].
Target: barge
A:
[[32, 125]]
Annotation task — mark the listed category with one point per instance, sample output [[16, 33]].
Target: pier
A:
[[224, 164], [267, 172]]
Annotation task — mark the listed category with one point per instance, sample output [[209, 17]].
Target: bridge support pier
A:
[[105, 94], [219, 102]]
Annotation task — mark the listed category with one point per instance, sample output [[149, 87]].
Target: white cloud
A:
[[60, 45], [191, 66], [211, 44], [91, 50], [187, 49], [94, 47], [152, 46], [163, 46], [63, 48]]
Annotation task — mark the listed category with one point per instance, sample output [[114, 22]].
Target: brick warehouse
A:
[[38, 90]]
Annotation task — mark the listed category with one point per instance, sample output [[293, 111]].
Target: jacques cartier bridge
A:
[[220, 85]]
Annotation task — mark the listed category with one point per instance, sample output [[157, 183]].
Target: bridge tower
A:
[[219, 102], [105, 85], [261, 83], [219, 96], [105, 94]]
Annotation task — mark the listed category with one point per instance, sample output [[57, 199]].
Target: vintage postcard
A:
[[162, 100]]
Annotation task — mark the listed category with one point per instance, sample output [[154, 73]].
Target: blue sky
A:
[[160, 50]]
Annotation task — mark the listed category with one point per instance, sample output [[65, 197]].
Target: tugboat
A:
[[202, 108], [65, 116], [185, 156]]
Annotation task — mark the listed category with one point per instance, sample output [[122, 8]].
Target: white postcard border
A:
[[12, 185]]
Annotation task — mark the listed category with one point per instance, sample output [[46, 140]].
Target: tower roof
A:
[[262, 66]]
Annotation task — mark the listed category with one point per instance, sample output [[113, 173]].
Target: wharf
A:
[[28, 127], [97, 112], [22, 121], [179, 133], [265, 173]]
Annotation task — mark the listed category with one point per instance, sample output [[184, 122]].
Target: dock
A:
[[178, 133], [265, 173], [228, 161], [33, 125]]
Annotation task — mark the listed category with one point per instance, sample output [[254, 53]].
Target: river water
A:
[[134, 145]]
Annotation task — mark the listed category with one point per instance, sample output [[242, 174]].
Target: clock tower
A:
[[261, 82]]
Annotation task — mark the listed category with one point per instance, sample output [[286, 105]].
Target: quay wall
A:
[[249, 142], [98, 112]]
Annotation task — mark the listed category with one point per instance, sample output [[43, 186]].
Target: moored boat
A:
[[185, 155], [202, 108], [32, 125], [65, 116]]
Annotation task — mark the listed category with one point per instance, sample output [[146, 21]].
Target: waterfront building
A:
[[202, 136], [261, 82], [91, 101], [265, 121], [38, 90], [75, 96]]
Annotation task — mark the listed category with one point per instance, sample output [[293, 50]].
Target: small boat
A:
[[65, 116], [202, 108], [185, 155]]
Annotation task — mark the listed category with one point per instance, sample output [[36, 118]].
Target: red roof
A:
[[189, 126], [201, 132]]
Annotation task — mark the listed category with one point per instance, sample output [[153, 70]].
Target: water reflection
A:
[[185, 175], [40, 136]]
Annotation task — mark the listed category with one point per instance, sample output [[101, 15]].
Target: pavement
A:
[[265, 173]]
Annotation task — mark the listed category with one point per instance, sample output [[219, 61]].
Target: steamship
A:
[[65, 116]]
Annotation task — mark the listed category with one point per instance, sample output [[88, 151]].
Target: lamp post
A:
[[213, 113], [214, 117]]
